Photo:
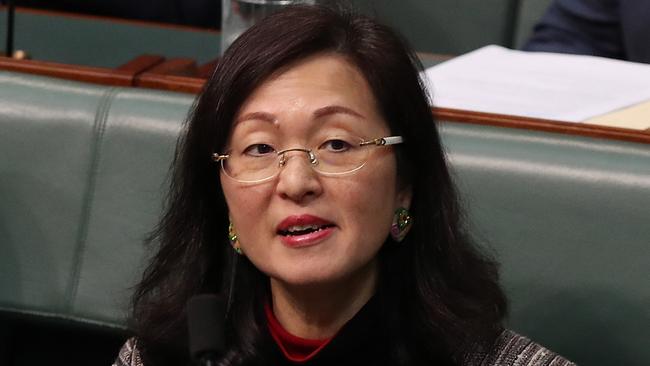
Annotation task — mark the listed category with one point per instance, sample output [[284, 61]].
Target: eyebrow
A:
[[334, 109], [262, 116], [319, 113]]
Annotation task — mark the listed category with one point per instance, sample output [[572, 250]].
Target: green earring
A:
[[233, 239], [402, 222]]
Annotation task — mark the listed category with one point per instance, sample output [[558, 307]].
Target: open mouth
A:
[[297, 230]]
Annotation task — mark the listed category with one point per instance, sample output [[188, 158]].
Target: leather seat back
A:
[[568, 218], [47, 140], [82, 180], [447, 26]]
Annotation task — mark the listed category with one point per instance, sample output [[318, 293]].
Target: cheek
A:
[[370, 201], [245, 204]]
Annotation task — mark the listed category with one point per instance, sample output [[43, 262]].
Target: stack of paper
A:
[[561, 87]]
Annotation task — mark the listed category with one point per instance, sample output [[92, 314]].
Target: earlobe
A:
[[404, 196]]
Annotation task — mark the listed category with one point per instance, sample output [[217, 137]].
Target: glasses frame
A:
[[313, 160]]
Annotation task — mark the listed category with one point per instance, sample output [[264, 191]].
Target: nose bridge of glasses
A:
[[282, 155]]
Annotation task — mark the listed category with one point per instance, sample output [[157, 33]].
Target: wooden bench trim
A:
[[90, 74], [569, 128]]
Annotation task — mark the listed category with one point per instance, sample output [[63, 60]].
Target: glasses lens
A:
[[334, 156], [340, 155], [247, 168]]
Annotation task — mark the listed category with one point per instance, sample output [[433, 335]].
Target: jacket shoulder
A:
[[512, 349], [129, 354]]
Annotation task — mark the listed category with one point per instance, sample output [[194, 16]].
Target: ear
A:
[[403, 198]]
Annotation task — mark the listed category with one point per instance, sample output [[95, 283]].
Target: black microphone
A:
[[205, 321]]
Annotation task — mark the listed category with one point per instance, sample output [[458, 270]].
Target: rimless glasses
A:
[[333, 156]]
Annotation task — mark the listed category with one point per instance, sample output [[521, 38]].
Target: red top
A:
[[295, 349]]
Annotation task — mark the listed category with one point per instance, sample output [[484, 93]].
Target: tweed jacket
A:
[[510, 349], [368, 339]]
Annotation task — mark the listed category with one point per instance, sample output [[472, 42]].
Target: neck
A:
[[318, 311]]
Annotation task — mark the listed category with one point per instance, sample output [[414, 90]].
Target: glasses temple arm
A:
[[390, 140]]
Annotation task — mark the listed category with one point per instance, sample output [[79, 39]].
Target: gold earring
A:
[[233, 238], [402, 222]]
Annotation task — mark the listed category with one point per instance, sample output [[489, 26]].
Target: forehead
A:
[[320, 82]]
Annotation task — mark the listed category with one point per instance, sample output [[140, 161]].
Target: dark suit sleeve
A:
[[590, 27]]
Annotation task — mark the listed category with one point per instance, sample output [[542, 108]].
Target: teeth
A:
[[293, 229]]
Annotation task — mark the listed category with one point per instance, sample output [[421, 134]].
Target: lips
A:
[[304, 230], [302, 224]]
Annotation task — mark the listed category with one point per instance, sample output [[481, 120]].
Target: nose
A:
[[310, 155], [297, 180]]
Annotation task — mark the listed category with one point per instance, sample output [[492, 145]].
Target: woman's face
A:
[[303, 228]]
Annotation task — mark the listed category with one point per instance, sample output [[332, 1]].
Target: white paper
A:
[[554, 86]]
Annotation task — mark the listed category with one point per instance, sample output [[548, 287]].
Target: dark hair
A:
[[441, 293]]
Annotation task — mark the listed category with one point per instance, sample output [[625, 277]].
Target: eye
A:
[[336, 145], [259, 150]]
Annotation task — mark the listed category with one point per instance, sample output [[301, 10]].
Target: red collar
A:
[[294, 348]]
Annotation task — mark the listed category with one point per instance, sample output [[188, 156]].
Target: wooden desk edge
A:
[[569, 128], [434, 57], [123, 75], [91, 74], [184, 84]]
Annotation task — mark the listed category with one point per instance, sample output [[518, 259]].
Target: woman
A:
[[311, 187]]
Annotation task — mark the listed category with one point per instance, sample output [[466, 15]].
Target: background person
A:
[[608, 28]]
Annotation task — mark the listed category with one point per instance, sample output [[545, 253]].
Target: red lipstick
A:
[[304, 230]]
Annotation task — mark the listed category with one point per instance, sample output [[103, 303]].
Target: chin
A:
[[308, 276], [306, 279]]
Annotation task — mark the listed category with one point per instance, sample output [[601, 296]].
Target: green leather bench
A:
[[458, 26], [82, 173], [102, 42], [447, 26], [82, 176]]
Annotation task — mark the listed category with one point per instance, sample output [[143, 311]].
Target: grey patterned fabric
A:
[[129, 354], [510, 349]]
